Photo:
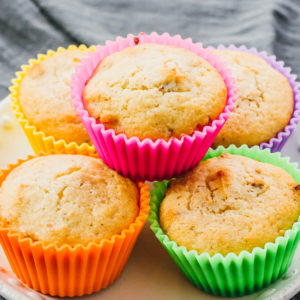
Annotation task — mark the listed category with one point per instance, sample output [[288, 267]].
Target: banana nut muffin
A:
[[67, 199], [155, 91], [45, 97], [265, 100], [228, 204]]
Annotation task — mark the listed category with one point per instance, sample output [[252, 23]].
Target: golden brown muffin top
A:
[[228, 204], [155, 91], [265, 100], [46, 101], [67, 199]]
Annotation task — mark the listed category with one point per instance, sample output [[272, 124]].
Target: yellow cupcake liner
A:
[[38, 140], [71, 270]]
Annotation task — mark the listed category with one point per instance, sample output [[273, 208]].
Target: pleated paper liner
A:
[[232, 275], [71, 270], [147, 159], [276, 143], [39, 141]]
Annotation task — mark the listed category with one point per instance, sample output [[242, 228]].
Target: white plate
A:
[[150, 272]]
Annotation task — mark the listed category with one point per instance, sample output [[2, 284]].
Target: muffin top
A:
[[67, 199], [228, 204], [265, 100], [45, 97], [154, 91]]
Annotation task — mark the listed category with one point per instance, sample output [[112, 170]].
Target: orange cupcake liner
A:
[[65, 270], [38, 140]]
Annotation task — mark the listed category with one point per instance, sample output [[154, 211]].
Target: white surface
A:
[[13, 142], [150, 272]]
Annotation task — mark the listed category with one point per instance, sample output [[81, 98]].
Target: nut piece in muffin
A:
[[67, 199], [155, 91], [45, 97], [265, 100], [228, 204]]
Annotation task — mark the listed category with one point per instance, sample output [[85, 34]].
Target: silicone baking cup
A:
[[146, 159], [232, 275], [38, 140], [71, 271], [276, 143]]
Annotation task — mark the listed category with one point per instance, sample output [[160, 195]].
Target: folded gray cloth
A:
[[30, 27]]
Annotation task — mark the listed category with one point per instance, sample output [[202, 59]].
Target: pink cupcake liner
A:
[[147, 159], [276, 144]]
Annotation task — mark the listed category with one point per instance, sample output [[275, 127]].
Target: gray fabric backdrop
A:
[[29, 27]]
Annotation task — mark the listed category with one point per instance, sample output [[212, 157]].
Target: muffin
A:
[[152, 104], [222, 218], [229, 204], [50, 196], [44, 97], [68, 223], [155, 91], [265, 100]]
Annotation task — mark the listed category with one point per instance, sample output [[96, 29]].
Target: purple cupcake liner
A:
[[276, 144]]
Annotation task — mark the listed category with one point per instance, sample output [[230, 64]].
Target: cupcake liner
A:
[[147, 159], [39, 141], [232, 275], [276, 143], [71, 270]]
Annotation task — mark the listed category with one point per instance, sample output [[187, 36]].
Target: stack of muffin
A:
[[151, 106]]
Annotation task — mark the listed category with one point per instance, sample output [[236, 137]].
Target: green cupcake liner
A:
[[232, 275]]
